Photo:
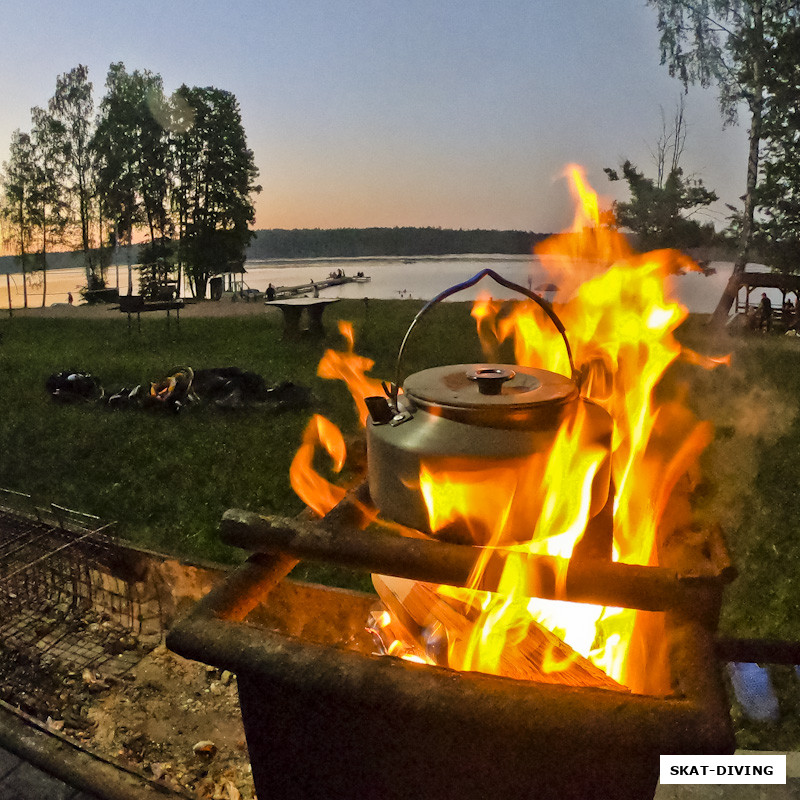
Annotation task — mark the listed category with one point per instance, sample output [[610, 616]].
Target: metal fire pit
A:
[[325, 720]]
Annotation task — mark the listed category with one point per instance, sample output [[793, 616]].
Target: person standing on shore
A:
[[765, 312]]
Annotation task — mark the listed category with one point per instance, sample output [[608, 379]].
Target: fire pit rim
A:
[[214, 632]]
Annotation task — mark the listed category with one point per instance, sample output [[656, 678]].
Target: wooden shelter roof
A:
[[231, 268], [770, 280]]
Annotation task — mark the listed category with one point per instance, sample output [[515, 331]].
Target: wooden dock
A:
[[284, 292]]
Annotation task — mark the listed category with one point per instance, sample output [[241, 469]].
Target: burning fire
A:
[[620, 325], [351, 368]]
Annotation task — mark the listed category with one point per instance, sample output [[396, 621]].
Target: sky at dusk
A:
[[450, 114]]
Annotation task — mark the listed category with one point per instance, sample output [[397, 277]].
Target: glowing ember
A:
[[620, 325]]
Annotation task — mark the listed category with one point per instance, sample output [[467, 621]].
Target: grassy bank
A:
[[167, 479], [751, 486]]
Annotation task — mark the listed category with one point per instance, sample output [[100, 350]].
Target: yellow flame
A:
[[621, 326]]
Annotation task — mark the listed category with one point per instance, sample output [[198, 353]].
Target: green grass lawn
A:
[[167, 479], [752, 479], [752, 474]]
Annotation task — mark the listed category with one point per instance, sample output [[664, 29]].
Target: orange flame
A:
[[621, 328], [351, 368], [316, 492]]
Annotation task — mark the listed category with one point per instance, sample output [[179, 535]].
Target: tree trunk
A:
[[723, 308], [44, 280], [23, 255], [87, 258], [24, 282], [83, 210], [101, 254], [44, 266], [130, 268], [732, 288]]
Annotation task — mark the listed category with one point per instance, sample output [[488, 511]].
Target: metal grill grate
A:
[[69, 593]]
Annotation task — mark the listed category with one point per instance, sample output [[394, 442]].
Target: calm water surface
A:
[[420, 279], [424, 278]]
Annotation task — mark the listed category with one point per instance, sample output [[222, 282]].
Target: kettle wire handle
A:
[[394, 388]]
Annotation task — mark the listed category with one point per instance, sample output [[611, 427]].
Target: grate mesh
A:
[[70, 593]]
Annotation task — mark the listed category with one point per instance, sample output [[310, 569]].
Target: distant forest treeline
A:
[[345, 243], [361, 242]]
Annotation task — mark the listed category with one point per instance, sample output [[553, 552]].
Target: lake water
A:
[[420, 278], [423, 278]]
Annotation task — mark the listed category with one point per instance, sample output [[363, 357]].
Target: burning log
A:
[[378, 551], [538, 655], [253, 585]]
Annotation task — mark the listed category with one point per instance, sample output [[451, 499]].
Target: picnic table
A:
[[136, 304], [292, 309]]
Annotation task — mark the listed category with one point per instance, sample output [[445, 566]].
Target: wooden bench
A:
[[136, 304], [292, 310], [101, 295]]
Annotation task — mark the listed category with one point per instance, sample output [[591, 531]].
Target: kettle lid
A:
[[489, 393]]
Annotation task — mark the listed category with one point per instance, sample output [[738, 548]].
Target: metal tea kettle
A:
[[474, 418]]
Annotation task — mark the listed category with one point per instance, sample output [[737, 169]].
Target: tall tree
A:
[[777, 231], [670, 145], [72, 106], [133, 153], [115, 146], [726, 42], [659, 212], [217, 180], [50, 208], [20, 206], [184, 151]]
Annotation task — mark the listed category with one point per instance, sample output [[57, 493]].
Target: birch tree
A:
[[778, 193], [19, 208], [726, 43], [50, 209], [72, 106], [133, 156]]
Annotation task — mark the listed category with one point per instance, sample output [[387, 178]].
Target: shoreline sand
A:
[[203, 309]]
